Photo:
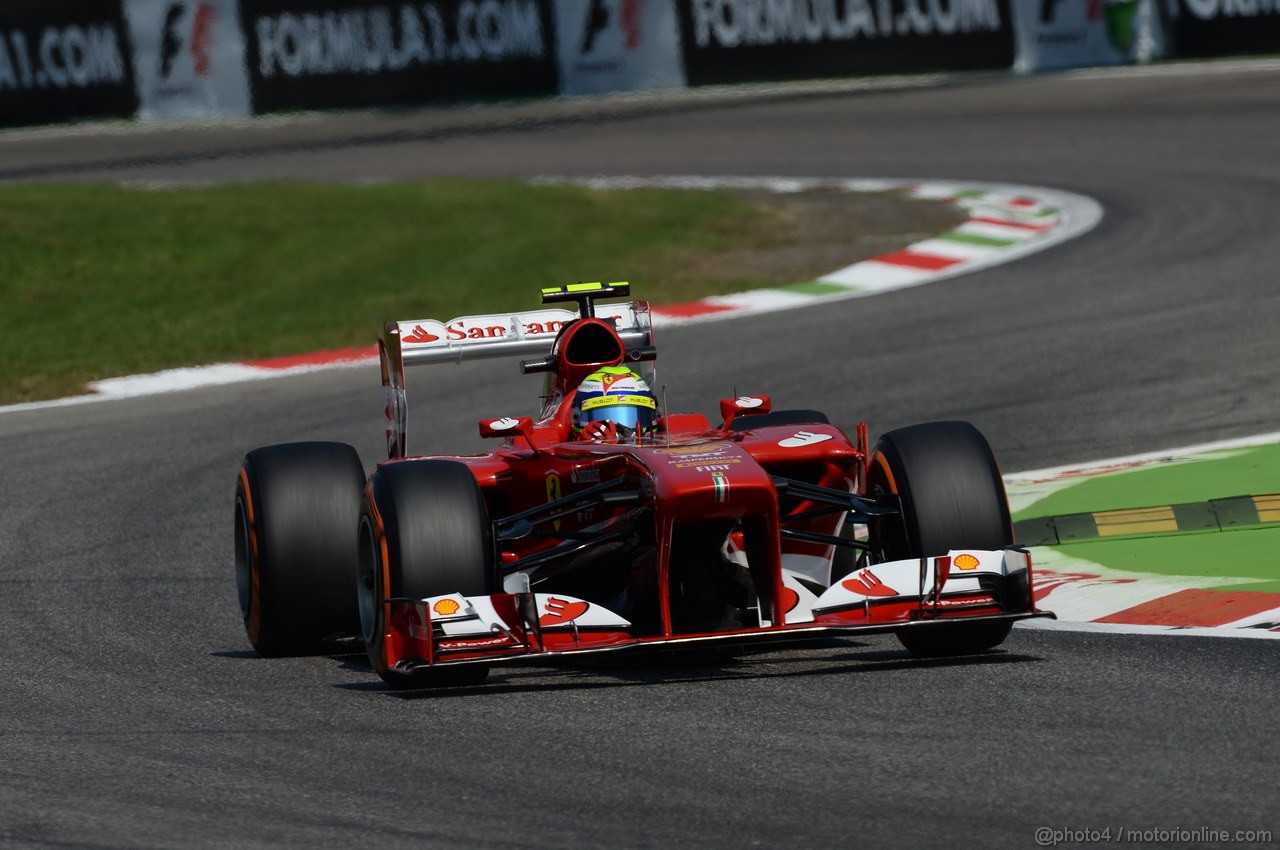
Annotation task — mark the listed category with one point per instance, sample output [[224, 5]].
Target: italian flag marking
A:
[[721, 482]]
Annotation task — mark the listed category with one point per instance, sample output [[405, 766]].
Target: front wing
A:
[[968, 585]]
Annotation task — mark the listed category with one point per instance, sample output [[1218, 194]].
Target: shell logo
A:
[[445, 607], [965, 562]]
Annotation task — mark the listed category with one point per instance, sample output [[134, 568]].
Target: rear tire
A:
[[297, 505], [952, 497], [430, 520]]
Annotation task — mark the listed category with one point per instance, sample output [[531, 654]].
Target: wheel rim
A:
[[888, 535], [367, 583]]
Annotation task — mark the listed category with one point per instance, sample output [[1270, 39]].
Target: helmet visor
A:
[[628, 416]]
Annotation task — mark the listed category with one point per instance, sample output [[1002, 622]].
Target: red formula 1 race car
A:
[[604, 526]]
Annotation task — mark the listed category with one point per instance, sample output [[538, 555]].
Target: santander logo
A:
[[506, 423], [803, 438], [868, 583], [420, 334], [562, 611], [747, 402], [466, 330]]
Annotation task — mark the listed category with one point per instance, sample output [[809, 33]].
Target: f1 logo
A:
[[172, 40], [597, 20], [599, 14], [1048, 11]]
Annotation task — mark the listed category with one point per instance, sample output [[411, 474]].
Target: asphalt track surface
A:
[[133, 715]]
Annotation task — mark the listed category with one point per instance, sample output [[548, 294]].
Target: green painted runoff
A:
[[1247, 553], [1248, 472], [1242, 553]]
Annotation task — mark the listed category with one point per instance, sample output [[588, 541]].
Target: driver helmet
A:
[[613, 403]]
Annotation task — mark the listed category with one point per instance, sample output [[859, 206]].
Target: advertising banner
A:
[[62, 60], [305, 54], [1079, 33], [618, 45], [188, 58], [728, 41], [1202, 28]]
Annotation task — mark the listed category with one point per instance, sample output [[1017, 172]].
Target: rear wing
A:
[[426, 341], [503, 334]]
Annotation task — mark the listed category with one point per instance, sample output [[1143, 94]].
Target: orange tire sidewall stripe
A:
[[255, 574], [878, 460], [379, 531]]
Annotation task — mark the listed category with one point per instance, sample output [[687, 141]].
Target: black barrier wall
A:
[[86, 59], [64, 59], [1202, 28], [727, 41], [317, 54]]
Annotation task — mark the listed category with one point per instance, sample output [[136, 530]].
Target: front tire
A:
[[424, 531], [297, 505], [952, 495]]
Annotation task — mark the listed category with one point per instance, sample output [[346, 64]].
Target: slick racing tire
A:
[[424, 531], [952, 497], [297, 507]]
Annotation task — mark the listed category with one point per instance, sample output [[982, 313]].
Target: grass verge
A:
[[99, 281]]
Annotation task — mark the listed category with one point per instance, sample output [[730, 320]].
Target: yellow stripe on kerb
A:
[[585, 287], [1141, 521], [1268, 508], [552, 290]]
